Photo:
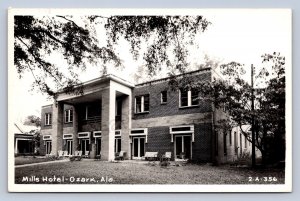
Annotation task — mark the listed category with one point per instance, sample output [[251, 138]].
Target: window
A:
[[230, 137], [48, 119], [68, 116], [164, 97], [142, 104], [117, 145], [245, 141], [188, 97]]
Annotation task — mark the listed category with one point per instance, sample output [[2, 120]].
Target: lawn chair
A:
[[65, 154], [166, 157], [151, 156], [77, 156], [86, 154], [60, 154], [120, 156], [51, 156]]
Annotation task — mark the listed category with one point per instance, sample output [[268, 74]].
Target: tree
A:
[[37, 38], [234, 93], [33, 120]]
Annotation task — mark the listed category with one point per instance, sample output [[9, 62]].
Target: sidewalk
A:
[[42, 163]]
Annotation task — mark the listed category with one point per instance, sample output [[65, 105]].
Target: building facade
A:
[[114, 115]]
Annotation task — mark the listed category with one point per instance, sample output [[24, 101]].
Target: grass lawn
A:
[[21, 160], [99, 172]]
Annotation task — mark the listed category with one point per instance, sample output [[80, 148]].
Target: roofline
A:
[[103, 79], [166, 78], [49, 105]]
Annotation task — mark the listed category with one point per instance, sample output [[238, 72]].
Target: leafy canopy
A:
[[36, 39]]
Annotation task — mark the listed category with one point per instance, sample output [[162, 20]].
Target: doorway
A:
[[85, 146], [48, 147], [183, 147], [70, 147], [138, 147], [98, 146]]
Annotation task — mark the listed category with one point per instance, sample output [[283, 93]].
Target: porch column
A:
[[16, 146], [108, 124], [126, 126], [75, 129], [57, 127]]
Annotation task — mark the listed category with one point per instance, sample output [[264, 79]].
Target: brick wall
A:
[[159, 139], [202, 145], [157, 109]]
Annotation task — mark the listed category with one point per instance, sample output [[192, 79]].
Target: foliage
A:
[[37, 39], [33, 120], [234, 94]]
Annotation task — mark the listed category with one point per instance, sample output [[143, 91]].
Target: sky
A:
[[235, 35]]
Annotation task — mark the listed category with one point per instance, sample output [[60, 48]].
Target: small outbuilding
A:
[[23, 141]]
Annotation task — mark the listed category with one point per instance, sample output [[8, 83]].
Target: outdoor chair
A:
[[151, 156], [120, 156], [166, 157], [60, 154], [65, 153], [51, 155], [77, 156]]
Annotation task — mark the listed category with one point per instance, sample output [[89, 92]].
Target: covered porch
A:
[[101, 119]]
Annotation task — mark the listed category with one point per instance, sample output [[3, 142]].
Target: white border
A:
[[287, 187]]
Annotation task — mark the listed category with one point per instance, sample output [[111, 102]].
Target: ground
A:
[[21, 160], [131, 172]]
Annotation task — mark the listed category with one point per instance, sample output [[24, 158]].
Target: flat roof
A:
[[166, 78]]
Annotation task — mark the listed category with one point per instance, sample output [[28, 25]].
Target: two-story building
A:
[[114, 115]]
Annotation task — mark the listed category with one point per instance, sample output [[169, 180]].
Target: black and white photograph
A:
[[150, 100]]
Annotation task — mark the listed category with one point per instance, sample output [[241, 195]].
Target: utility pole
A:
[[252, 126]]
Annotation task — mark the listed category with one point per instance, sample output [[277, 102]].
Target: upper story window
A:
[[48, 119], [164, 97], [142, 103], [188, 97], [68, 116]]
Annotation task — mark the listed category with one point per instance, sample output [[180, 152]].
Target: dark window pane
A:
[[181, 129], [146, 103], [135, 147], [164, 96], [71, 116], [142, 147], [184, 97], [137, 131]]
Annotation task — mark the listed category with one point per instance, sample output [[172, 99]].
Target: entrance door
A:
[[85, 144], [70, 147], [48, 147], [183, 147], [138, 147], [98, 146]]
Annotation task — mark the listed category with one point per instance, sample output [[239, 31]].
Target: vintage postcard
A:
[[149, 100]]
